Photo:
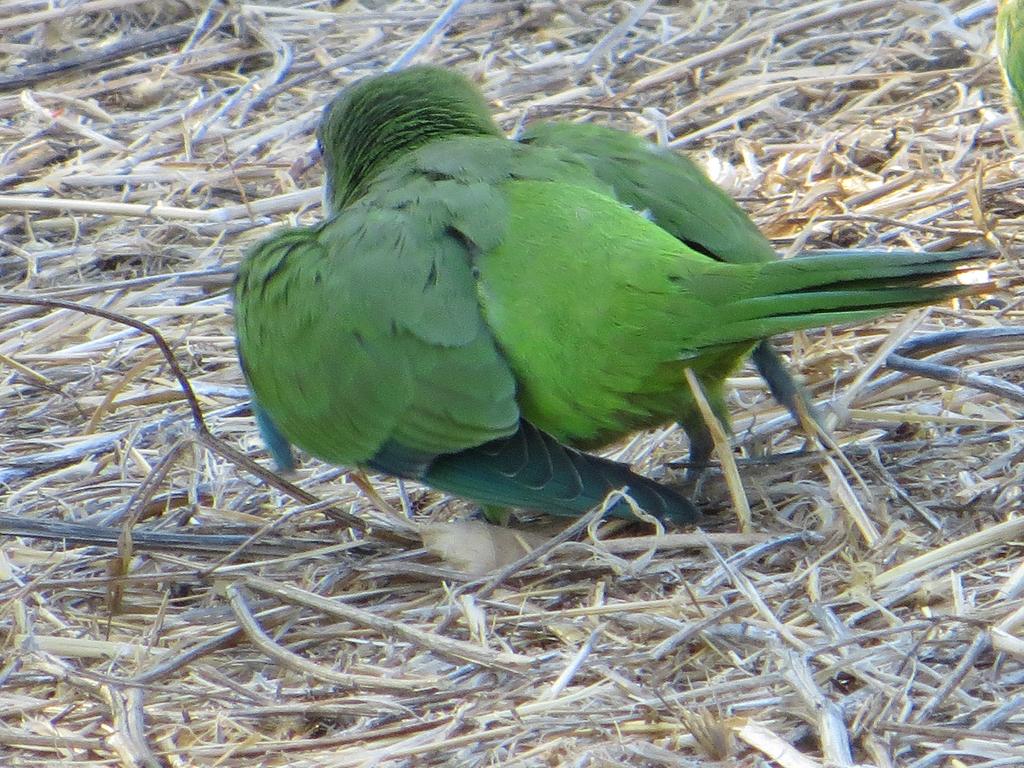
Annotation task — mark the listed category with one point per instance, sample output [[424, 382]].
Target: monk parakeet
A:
[[1010, 44], [678, 196], [674, 193], [476, 312]]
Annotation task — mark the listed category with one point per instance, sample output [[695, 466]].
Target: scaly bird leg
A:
[[701, 445], [783, 386]]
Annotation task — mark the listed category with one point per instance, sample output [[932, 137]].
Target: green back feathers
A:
[[668, 187]]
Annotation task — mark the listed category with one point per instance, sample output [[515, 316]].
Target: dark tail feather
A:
[[532, 470]]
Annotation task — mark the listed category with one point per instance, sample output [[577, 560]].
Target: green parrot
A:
[[678, 196], [476, 313], [674, 193], [1010, 43]]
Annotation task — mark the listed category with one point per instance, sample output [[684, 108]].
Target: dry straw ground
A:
[[871, 615]]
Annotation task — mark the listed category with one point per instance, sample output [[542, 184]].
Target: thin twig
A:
[[89, 60]]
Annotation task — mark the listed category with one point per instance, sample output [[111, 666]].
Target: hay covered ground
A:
[[871, 614]]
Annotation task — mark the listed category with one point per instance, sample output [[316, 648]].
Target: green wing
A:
[[668, 187], [1010, 44], [364, 334], [532, 469]]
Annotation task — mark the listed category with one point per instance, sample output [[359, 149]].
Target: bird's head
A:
[[378, 119]]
